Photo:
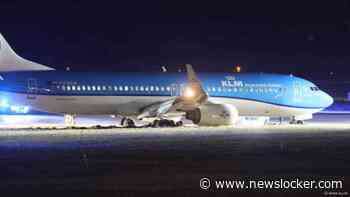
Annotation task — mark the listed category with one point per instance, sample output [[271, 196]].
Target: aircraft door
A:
[[175, 89], [297, 91], [32, 85]]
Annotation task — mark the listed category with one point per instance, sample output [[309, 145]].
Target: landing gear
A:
[[128, 123], [294, 121], [69, 119], [166, 123], [179, 123], [300, 122], [194, 115]]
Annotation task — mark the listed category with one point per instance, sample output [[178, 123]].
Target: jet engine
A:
[[214, 115]]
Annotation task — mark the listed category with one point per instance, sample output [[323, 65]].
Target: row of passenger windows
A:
[[126, 88], [247, 89], [111, 88]]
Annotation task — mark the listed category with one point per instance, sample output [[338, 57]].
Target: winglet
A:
[[10, 61], [191, 75]]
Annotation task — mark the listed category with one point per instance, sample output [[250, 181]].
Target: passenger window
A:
[[136, 88], [93, 88], [120, 88], [126, 88], [68, 88], [141, 88], [157, 88], [88, 88], [115, 88], [151, 88]]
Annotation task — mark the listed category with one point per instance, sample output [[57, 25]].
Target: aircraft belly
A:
[[255, 108], [124, 105]]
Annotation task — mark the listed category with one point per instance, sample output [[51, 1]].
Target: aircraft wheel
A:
[[300, 122], [164, 123], [155, 123], [171, 123], [128, 123], [179, 123], [123, 122]]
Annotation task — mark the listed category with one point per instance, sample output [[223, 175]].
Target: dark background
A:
[[307, 38]]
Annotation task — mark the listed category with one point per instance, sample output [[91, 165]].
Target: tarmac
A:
[[171, 161]]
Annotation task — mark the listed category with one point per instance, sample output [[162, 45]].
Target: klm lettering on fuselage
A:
[[230, 81]]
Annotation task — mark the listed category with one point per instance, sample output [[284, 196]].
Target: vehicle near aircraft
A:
[[206, 99]]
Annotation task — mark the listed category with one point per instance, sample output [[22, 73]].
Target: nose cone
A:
[[327, 100]]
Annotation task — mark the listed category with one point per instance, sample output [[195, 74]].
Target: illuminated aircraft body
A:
[[206, 99]]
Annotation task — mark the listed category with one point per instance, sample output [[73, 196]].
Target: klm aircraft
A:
[[206, 98]]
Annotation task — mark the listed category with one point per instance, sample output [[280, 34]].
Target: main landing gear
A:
[[166, 123], [127, 123], [294, 121], [130, 123]]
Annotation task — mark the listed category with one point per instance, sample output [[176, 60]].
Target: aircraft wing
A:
[[192, 97]]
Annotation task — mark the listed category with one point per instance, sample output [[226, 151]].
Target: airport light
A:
[[238, 68]]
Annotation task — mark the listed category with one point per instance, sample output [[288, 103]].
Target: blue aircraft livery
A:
[[204, 98]]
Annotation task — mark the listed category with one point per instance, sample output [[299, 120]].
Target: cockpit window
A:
[[314, 88]]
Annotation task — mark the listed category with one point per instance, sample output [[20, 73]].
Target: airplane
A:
[[206, 99]]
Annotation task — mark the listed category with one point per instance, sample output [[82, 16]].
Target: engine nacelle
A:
[[214, 115]]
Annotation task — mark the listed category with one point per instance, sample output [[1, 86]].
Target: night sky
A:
[[306, 38]]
